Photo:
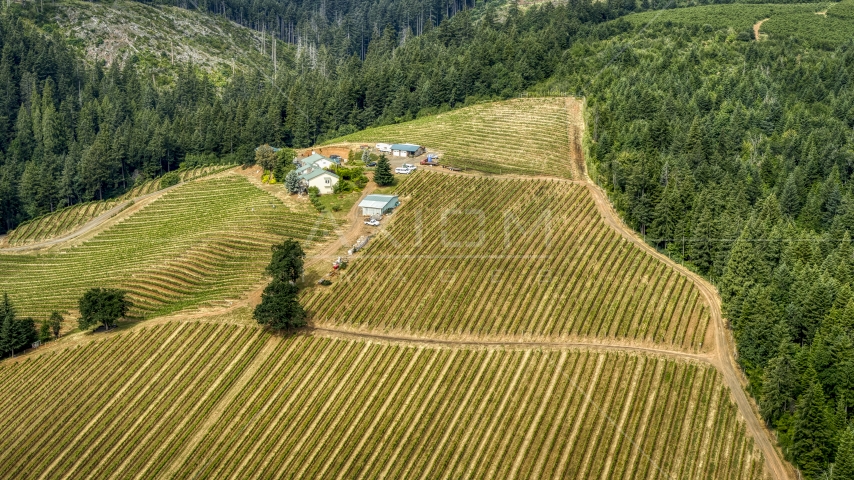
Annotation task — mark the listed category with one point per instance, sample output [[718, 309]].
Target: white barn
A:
[[406, 150], [378, 204]]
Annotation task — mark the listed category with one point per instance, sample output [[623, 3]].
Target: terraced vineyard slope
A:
[[205, 240], [200, 400], [501, 258], [525, 136], [68, 219], [57, 223]]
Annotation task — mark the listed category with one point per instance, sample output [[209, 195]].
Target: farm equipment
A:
[[431, 160], [360, 244]]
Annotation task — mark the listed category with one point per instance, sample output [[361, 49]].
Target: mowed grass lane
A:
[[501, 258], [322, 408], [206, 240], [522, 136]]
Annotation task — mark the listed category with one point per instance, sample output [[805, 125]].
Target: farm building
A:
[[318, 160], [378, 204], [406, 150], [324, 180]]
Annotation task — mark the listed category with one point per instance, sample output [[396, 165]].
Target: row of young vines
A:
[[319, 407], [505, 258], [207, 240]]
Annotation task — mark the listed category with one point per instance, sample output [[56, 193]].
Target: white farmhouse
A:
[[324, 180]]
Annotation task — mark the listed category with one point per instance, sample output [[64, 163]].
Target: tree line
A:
[[736, 157]]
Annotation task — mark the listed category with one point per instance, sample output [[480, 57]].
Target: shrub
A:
[[169, 179]]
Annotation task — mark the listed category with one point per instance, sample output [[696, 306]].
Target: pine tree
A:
[[812, 436], [779, 387], [383, 175], [844, 467]]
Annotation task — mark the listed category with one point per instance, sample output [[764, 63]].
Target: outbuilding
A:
[[324, 180], [318, 160], [378, 204], [406, 150]]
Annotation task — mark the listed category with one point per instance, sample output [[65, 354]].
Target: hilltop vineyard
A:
[[200, 400], [523, 136], [206, 240], [503, 258]]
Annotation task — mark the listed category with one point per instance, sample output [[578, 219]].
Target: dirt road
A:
[[756, 28], [722, 350], [91, 224]]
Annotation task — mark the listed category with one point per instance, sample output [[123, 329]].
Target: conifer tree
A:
[[383, 175], [812, 442], [844, 467]]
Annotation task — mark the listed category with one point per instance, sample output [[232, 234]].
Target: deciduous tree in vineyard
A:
[[55, 323], [44, 331], [280, 308], [265, 156], [102, 306], [287, 262]]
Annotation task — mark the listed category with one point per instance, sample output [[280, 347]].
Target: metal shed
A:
[[378, 204], [406, 150]]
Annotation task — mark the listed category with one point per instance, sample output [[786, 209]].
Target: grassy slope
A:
[[124, 29], [206, 240], [527, 136], [199, 400]]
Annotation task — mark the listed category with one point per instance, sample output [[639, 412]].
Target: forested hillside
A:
[[737, 157]]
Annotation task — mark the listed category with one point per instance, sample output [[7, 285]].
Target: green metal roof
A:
[[316, 173], [406, 147]]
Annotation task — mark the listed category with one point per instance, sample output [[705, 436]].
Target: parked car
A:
[[372, 164], [372, 222], [406, 169]]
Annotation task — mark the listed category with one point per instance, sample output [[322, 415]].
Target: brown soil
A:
[[342, 151]]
